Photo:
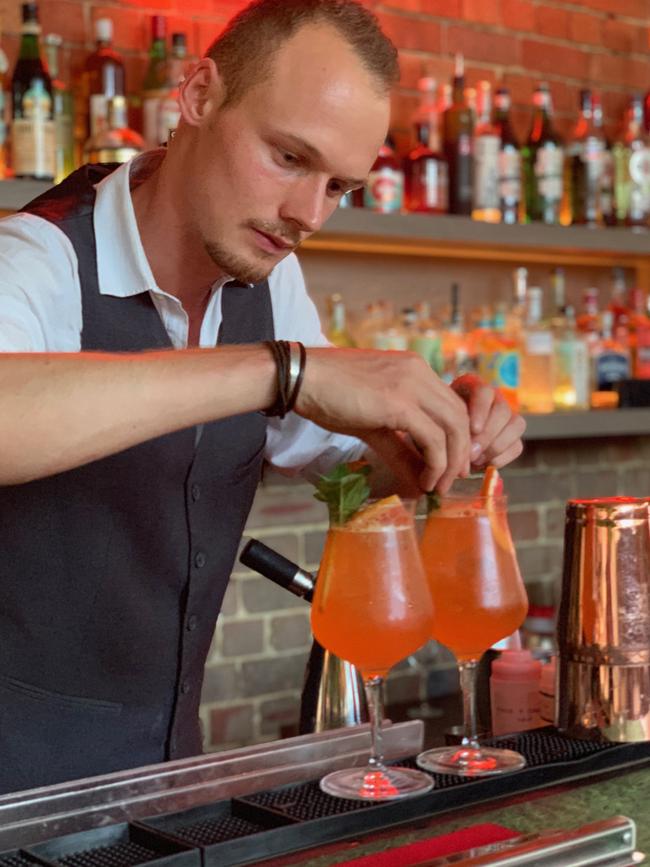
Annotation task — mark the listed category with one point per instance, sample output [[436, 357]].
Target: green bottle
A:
[[33, 128], [542, 158], [154, 85]]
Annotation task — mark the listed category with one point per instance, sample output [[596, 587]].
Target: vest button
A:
[[186, 686], [192, 622], [196, 492], [200, 560]]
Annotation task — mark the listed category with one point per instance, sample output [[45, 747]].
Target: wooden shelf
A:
[[588, 424], [355, 230]]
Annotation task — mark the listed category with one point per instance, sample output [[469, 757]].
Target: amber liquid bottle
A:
[[585, 154], [102, 79], [487, 145], [458, 131]]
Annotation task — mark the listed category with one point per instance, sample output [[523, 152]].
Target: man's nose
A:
[[306, 204]]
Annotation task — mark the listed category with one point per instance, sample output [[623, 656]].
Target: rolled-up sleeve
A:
[[294, 444], [40, 300]]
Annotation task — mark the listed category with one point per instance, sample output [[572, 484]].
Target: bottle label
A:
[[33, 142], [548, 171], [150, 110], [435, 185], [510, 175], [539, 343], [486, 172], [611, 367], [607, 184], [384, 191], [98, 113], [639, 169], [501, 369]]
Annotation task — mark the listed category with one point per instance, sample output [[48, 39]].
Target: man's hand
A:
[[496, 430], [381, 396]]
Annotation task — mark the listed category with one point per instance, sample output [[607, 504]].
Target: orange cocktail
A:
[[470, 563], [372, 607], [479, 598]]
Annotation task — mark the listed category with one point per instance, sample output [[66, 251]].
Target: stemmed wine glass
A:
[[372, 607], [478, 598]]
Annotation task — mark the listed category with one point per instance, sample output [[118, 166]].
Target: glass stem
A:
[[376, 712], [467, 672]]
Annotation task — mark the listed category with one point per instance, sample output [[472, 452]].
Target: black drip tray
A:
[[250, 829]]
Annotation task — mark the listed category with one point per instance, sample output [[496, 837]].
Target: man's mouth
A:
[[273, 243]]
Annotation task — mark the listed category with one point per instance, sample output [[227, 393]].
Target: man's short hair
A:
[[244, 51]]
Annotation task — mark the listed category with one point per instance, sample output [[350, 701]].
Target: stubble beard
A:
[[237, 266]]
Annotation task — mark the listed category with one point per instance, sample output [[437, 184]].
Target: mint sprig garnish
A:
[[345, 490]]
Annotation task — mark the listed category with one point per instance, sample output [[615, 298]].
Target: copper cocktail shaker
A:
[[604, 620]]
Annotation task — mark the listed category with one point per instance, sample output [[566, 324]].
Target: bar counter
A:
[[565, 806], [262, 804]]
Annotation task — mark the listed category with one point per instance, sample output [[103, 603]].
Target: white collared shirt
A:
[[40, 304]]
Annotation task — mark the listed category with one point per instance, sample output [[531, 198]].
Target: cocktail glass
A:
[[372, 607], [478, 599]]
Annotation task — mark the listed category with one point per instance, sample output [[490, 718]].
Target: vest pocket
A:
[[38, 694]]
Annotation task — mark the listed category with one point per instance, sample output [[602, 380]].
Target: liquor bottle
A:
[[153, 86], [168, 111], [33, 129], [610, 356], [486, 203], [585, 165], [384, 190], [337, 330], [558, 282], [618, 297], [116, 143], [499, 359], [509, 159], [516, 315], [426, 180], [588, 321], [458, 131], [607, 201], [102, 78], [571, 384], [63, 111], [537, 358], [639, 324], [542, 162], [631, 155]]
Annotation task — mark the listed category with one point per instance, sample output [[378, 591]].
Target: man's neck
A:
[[178, 260]]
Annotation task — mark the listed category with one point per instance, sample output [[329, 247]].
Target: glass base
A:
[[376, 784], [467, 762]]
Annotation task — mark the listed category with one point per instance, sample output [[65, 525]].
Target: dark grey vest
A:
[[112, 574]]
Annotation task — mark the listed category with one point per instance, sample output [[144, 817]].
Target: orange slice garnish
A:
[[492, 486], [388, 512]]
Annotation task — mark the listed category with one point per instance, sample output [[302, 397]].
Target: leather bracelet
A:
[[279, 407], [295, 390]]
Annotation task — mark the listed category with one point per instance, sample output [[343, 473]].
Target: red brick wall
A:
[[569, 43]]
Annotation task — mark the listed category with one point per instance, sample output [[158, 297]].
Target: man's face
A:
[[268, 171]]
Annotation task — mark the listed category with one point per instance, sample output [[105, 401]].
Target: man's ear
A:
[[201, 91]]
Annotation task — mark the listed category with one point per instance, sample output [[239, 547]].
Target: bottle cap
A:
[[516, 665], [104, 30], [158, 27]]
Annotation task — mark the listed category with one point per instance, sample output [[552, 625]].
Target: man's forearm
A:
[[60, 411]]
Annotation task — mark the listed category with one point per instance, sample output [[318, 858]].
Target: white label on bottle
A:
[[539, 343], [510, 175], [98, 113], [168, 116], [384, 191], [548, 171], [150, 109], [611, 366], [33, 147], [640, 176], [486, 172]]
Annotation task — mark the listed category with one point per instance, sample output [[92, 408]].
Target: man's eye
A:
[[335, 187], [288, 158]]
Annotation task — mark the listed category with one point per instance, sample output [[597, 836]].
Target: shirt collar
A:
[[123, 269]]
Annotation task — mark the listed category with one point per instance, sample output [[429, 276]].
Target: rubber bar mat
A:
[[123, 845], [311, 817]]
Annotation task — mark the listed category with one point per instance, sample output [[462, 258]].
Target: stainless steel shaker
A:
[[604, 620], [332, 694]]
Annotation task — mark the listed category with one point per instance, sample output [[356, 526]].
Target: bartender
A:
[[127, 475]]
